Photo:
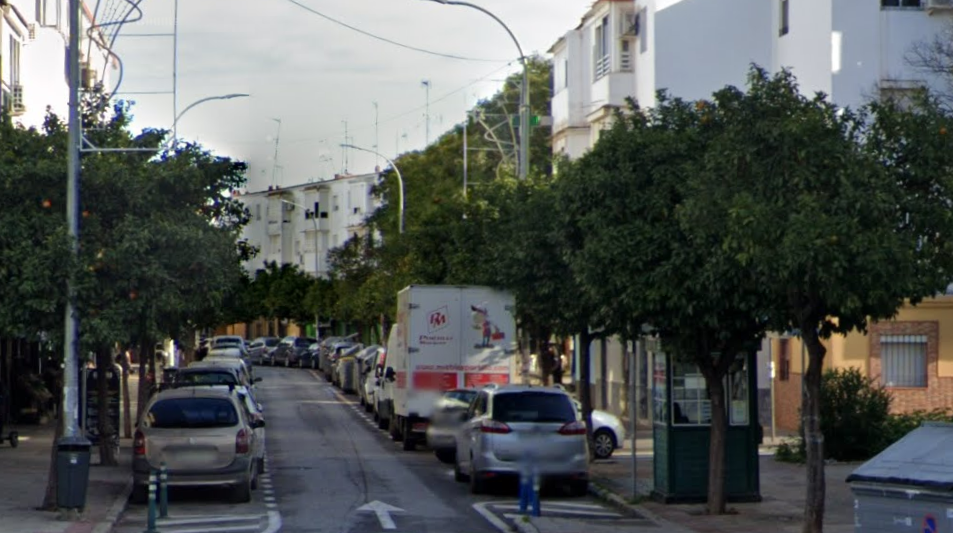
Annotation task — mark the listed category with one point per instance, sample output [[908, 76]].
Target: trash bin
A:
[[72, 472], [908, 486]]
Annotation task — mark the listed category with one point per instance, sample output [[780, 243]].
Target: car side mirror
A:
[[257, 380], [257, 423], [389, 374]]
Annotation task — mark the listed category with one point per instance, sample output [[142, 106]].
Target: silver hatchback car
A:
[[516, 429], [204, 436]]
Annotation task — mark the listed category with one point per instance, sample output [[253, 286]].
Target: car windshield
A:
[[463, 396], [271, 342], [305, 342], [207, 378], [532, 407], [192, 413]]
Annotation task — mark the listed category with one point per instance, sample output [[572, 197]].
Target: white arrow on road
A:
[[383, 511]]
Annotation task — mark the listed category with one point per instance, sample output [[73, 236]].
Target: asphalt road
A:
[[330, 470], [327, 463]]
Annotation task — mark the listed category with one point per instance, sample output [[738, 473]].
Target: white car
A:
[[607, 432]]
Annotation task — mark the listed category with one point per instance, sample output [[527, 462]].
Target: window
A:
[[532, 407], [642, 22], [783, 30], [48, 12], [317, 209], [566, 73], [14, 61], [335, 202], [784, 359], [899, 3], [903, 96], [903, 360], [192, 413], [690, 403], [600, 50]]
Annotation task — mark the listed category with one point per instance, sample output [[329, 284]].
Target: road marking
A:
[[226, 529], [490, 517], [550, 510], [559, 506], [383, 511], [184, 521]]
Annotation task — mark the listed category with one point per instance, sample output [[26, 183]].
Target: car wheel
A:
[[241, 493], [382, 423], [139, 494], [458, 474], [603, 444], [312, 364], [446, 456], [579, 488], [476, 485], [409, 443], [394, 429], [254, 477]]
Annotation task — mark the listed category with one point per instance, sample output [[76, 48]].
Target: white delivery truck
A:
[[445, 337]]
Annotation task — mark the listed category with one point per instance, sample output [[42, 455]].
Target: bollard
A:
[[163, 491], [537, 511], [151, 515]]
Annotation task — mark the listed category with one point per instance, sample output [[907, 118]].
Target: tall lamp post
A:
[[524, 90], [175, 122], [400, 179]]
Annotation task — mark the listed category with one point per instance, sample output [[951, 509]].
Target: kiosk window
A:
[[738, 393], [690, 404]]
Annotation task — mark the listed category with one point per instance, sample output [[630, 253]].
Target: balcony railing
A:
[[602, 66], [625, 61]]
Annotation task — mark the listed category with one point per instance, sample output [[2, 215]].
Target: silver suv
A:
[[514, 429], [204, 436]]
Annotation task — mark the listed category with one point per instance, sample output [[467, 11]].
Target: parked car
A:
[[607, 432], [512, 425], [339, 350], [341, 363], [209, 376], [324, 352], [298, 353], [372, 383], [238, 365], [311, 356], [203, 436], [279, 356], [258, 347], [229, 341], [365, 369], [448, 414]]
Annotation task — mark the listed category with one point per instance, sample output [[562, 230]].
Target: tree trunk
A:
[[717, 496], [147, 360], [585, 391], [813, 438], [126, 400], [107, 451], [49, 497]]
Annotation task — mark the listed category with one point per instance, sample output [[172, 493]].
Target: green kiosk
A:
[[681, 430]]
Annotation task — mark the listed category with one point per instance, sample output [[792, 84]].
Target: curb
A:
[[525, 526], [112, 514], [614, 499]]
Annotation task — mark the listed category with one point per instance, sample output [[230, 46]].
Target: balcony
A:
[[274, 227], [601, 66]]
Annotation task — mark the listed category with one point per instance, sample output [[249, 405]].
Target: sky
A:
[[319, 77]]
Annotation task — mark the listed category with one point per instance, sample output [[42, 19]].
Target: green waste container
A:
[[72, 472]]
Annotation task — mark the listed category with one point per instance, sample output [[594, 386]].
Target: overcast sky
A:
[[314, 74]]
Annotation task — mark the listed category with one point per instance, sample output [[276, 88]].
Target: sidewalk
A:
[[23, 476], [781, 508]]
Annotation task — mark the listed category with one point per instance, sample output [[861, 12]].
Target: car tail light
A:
[[492, 426], [241, 441], [139, 443], [573, 428]]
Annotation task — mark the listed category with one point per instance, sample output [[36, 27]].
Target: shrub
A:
[[900, 424], [791, 451], [855, 415]]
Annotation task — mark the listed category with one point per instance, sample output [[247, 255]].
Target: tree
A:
[[840, 216], [640, 254]]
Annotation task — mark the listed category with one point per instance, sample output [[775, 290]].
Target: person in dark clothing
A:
[[557, 365]]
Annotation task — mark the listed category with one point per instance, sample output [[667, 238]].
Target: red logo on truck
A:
[[437, 319]]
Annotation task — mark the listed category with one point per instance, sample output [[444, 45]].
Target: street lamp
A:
[[524, 91], [400, 179], [175, 122]]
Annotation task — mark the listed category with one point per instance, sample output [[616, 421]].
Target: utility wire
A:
[[395, 43], [414, 110]]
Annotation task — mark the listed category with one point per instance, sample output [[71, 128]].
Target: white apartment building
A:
[[851, 50], [34, 42], [302, 223]]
